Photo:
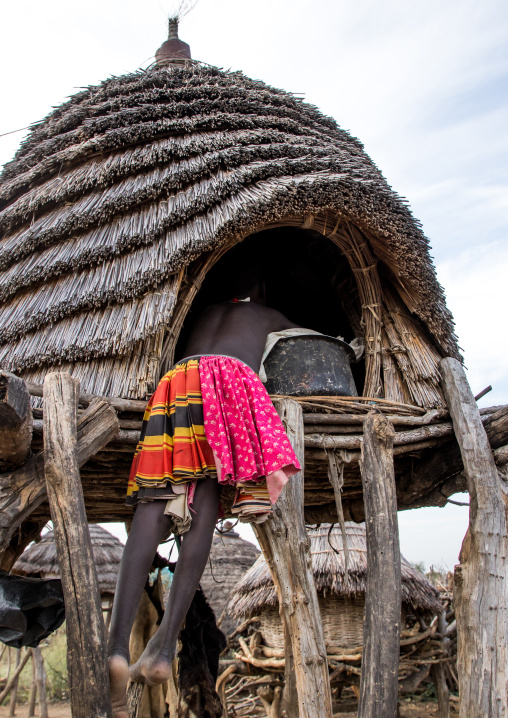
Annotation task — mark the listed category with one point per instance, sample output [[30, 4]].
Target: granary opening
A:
[[307, 278]]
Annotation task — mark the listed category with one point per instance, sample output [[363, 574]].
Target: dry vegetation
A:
[[54, 651]]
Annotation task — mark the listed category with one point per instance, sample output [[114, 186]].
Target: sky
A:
[[423, 84]]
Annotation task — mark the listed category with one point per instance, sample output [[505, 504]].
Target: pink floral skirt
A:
[[243, 428]]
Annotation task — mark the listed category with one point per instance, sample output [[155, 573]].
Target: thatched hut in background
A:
[[341, 599], [40, 560], [230, 557]]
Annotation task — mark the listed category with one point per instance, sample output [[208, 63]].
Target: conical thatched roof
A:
[[40, 558], [120, 188], [256, 590], [230, 557]]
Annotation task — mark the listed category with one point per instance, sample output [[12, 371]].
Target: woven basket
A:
[[342, 620], [270, 627]]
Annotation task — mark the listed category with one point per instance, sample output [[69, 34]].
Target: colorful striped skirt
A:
[[211, 417]]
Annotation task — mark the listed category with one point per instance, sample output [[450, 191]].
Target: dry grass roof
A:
[[256, 590], [40, 559], [121, 187]]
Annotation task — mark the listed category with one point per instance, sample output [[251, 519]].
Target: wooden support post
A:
[[40, 681], [480, 590], [290, 688], [86, 641], [287, 550], [15, 420], [14, 692], [438, 672], [33, 690], [381, 641]]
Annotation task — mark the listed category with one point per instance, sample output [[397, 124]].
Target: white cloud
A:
[[475, 282], [434, 535]]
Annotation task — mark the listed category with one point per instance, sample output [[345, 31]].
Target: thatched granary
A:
[[40, 559], [230, 557], [128, 209], [118, 202], [341, 599]]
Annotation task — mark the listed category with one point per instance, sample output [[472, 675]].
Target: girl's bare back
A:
[[236, 329]]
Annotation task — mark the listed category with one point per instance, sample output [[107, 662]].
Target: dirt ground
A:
[[424, 710], [55, 710], [408, 710]]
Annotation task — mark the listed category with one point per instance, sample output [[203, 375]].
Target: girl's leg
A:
[[154, 666], [149, 527]]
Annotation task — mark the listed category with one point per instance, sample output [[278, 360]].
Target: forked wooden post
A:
[[86, 642], [381, 641], [480, 581], [287, 550]]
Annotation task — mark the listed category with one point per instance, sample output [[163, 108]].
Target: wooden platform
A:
[[428, 464]]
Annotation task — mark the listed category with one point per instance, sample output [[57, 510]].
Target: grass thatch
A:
[[128, 182], [255, 591], [40, 559]]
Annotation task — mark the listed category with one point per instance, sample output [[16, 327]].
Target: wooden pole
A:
[[134, 696], [381, 642], [9, 664], [290, 698], [11, 681], [86, 399], [480, 590], [287, 550], [14, 692], [33, 690], [15, 420], [438, 672], [86, 641], [40, 680]]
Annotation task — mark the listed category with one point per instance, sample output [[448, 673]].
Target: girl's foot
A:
[[118, 679], [152, 667]]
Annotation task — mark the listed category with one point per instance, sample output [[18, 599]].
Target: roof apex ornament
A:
[[174, 49]]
